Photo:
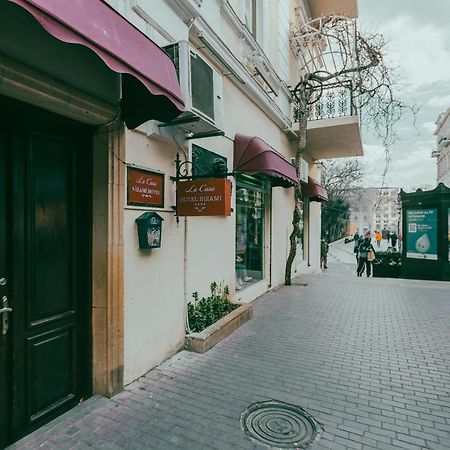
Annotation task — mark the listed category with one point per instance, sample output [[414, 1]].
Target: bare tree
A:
[[340, 178], [331, 49]]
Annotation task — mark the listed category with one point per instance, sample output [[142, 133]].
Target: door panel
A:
[[5, 360], [51, 381], [51, 231], [48, 226]]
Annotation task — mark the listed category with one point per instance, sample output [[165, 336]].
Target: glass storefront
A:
[[250, 208]]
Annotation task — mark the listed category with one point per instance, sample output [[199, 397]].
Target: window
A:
[[250, 204], [250, 16]]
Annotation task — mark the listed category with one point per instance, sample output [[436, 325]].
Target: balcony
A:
[[333, 125]]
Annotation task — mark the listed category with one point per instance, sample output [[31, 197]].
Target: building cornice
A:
[[242, 74], [441, 120]]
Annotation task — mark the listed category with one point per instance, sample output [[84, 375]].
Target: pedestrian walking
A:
[[394, 239], [358, 242], [366, 257], [378, 237], [323, 253]]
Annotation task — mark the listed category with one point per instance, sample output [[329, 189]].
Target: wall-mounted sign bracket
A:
[[205, 165], [204, 135], [217, 169], [176, 122]]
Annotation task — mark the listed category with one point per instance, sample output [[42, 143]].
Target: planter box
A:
[[204, 340], [386, 271]]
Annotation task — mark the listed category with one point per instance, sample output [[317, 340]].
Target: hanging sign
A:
[[204, 197], [145, 188], [421, 237]]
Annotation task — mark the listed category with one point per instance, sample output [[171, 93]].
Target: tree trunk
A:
[[302, 96]]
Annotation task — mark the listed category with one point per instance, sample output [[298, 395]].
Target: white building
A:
[[91, 126], [374, 209], [442, 152]]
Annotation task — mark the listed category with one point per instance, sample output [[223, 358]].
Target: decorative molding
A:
[[26, 84], [248, 85], [185, 9], [150, 21], [255, 54], [107, 262]]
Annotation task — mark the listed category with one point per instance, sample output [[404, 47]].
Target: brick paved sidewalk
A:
[[368, 358]]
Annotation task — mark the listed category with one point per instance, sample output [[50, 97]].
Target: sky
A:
[[418, 37]]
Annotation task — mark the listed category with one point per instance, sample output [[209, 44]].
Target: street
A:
[[368, 358]]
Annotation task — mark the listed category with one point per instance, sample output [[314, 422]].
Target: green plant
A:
[[207, 310], [389, 258]]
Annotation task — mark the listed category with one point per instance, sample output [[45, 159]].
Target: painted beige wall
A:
[[154, 301], [199, 250], [210, 240]]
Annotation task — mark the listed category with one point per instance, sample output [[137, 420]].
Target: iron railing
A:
[[328, 102]]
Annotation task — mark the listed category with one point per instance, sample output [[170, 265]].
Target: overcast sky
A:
[[418, 36]]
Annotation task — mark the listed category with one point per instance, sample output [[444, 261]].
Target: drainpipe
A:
[[185, 267], [187, 328], [270, 240], [309, 233]]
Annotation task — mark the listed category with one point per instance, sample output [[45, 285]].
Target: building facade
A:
[[101, 134], [442, 152], [374, 209]]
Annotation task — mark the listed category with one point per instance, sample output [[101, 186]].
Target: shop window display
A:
[[249, 235]]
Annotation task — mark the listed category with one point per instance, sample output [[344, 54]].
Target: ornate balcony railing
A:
[[333, 100]]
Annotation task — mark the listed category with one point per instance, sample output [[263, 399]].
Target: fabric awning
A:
[[252, 155], [150, 88], [314, 191]]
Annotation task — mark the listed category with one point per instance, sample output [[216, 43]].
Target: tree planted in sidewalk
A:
[[331, 51]]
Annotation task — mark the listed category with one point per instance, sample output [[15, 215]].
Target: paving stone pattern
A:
[[368, 358]]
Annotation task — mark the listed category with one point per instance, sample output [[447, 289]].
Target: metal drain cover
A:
[[280, 425]]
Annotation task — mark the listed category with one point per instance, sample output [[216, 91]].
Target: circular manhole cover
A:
[[280, 425]]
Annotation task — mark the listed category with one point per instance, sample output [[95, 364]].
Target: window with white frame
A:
[[250, 15]]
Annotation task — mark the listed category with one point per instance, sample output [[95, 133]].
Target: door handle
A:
[[4, 313]]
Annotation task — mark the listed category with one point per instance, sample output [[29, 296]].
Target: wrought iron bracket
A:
[[182, 168], [218, 170]]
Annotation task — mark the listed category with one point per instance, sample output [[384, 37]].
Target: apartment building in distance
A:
[[374, 209], [442, 151]]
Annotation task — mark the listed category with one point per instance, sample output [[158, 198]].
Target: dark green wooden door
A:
[[46, 352], [5, 355]]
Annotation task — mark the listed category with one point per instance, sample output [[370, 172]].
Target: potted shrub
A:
[[213, 318], [387, 264]]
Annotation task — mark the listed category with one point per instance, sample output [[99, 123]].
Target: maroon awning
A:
[[314, 191], [150, 88], [252, 155]]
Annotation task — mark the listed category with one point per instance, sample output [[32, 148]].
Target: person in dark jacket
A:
[[366, 255], [394, 239], [358, 242], [323, 253]]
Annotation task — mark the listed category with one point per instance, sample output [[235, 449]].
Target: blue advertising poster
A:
[[421, 237]]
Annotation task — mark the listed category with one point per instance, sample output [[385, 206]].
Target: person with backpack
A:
[[366, 257]]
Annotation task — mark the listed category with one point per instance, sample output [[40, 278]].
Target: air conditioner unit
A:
[[201, 88], [303, 175]]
